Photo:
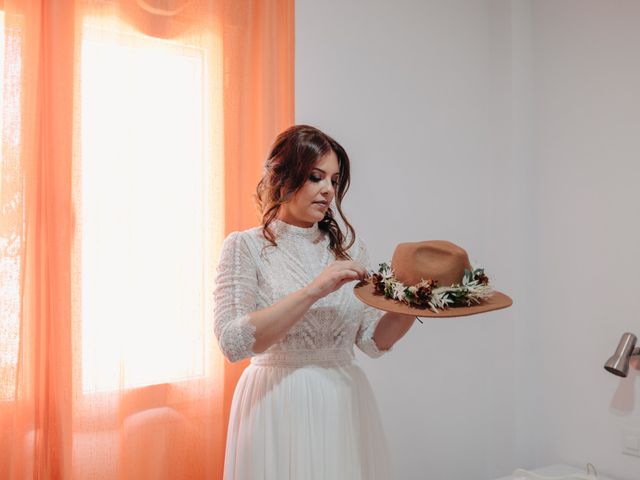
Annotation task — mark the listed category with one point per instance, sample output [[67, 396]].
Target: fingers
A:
[[359, 270], [341, 272], [350, 275]]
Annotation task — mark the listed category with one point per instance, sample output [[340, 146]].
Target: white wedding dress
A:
[[303, 409]]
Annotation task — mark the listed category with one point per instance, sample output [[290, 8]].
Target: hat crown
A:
[[432, 259]]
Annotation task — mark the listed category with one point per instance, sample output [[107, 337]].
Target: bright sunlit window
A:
[[10, 244], [143, 199]]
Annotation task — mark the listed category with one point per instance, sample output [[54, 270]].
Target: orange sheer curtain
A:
[[133, 135]]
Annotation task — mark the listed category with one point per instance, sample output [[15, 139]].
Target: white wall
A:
[[587, 136], [472, 121]]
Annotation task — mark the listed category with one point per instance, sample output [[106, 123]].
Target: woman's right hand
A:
[[335, 276]]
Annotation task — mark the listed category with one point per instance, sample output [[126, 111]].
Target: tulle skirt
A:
[[310, 422]]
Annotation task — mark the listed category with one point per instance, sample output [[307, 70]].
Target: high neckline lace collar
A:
[[283, 228]]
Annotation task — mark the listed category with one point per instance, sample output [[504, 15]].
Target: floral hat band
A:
[[433, 278]]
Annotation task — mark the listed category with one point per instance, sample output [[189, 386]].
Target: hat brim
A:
[[366, 293]]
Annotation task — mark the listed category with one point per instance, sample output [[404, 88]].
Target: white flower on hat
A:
[[398, 291]]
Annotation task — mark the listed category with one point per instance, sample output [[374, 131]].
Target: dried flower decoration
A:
[[474, 289]]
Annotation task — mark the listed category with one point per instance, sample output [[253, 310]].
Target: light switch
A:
[[631, 441]]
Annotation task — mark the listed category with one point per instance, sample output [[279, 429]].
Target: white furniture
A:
[[557, 470]]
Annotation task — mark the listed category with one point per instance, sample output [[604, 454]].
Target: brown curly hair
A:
[[292, 157]]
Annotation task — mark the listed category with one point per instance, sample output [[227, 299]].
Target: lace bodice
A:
[[251, 278]]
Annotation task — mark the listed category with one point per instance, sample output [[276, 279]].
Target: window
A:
[[144, 188], [10, 239]]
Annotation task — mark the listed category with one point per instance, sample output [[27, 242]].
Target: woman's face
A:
[[305, 209]]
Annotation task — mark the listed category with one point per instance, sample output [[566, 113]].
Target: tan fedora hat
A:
[[433, 278]]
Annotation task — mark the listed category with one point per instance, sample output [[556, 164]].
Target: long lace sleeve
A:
[[234, 298], [370, 316]]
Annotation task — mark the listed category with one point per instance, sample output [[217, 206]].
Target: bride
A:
[[303, 409]]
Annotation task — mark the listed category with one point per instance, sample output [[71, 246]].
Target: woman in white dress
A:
[[303, 409]]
